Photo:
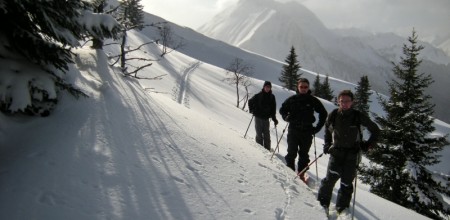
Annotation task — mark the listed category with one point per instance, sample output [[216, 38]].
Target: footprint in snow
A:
[[309, 204], [262, 165], [154, 158], [189, 167], [242, 181], [249, 211], [243, 192], [294, 189], [279, 213], [230, 158], [198, 162], [178, 179]]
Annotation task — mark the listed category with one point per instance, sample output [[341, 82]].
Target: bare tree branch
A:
[[167, 41], [239, 72]]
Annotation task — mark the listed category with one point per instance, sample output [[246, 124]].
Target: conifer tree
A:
[[131, 14], [316, 90], [289, 74], [42, 33], [362, 95], [399, 167], [326, 91]]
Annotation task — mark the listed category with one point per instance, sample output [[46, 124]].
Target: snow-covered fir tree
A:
[[316, 88], [289, 74], [362, 95], [322, 90], [399, 165], [42, 33], [131, 14], [325, 88]]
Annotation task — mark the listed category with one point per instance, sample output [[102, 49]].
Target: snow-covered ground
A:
[[159, 149]]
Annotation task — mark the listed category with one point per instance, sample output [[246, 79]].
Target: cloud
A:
[[222, 4]]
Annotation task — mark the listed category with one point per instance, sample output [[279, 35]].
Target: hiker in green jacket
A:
[[343, 141]]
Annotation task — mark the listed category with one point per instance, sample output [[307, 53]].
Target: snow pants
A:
[[262, 132], [343, 165], [299, 142]]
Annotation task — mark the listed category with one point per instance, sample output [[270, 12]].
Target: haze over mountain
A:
[[270, 28]]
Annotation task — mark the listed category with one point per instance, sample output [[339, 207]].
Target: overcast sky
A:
[[430, 18]]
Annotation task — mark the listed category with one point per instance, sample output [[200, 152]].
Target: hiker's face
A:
[[345, 102], [303, 88], [267, 88]]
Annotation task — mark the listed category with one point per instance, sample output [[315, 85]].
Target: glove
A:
[[326, 148], [365, 146], [286, 118], [275, 121]]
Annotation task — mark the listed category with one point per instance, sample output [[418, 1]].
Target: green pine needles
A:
[[399, 167]]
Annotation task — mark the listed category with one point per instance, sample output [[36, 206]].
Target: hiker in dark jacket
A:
[[299, 110], [343, 141], [263, 106]]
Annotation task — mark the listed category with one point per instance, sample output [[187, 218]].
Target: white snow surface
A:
[[135, 150]]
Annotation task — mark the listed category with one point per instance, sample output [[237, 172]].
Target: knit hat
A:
[[267, 83]]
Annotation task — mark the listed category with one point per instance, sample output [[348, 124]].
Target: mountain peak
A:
[[248, 18]]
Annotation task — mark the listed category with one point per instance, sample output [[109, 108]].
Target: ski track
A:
[[184, 81]]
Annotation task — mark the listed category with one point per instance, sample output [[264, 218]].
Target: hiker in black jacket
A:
[[263, 106], [299, 110], [343, 141]]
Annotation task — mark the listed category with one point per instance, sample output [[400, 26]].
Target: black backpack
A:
[[252, 104]]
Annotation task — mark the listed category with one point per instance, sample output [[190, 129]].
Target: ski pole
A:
[[276, 133], [278, 142], [249, 125], [306, 168], [354, 194], [315, 155], [356, 180]]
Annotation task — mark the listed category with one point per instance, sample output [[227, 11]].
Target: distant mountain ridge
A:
[[291, 24], [445, 46], [270, 28]]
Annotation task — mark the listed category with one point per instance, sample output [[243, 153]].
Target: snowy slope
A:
[[158, 149], [125, 154]]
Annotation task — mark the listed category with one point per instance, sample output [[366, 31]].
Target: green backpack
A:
[[357, 121]]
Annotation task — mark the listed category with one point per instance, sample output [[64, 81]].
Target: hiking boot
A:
[[342, 210], [303, 177], [325, 208]]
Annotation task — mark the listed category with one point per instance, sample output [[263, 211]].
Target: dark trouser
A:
[[342, 164], [262, 132], [299, 142]]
